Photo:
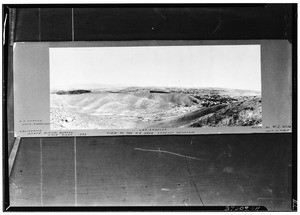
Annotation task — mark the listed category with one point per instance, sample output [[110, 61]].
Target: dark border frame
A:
[[6, 59]]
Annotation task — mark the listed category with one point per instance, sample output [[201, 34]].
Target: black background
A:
[[163, 22]]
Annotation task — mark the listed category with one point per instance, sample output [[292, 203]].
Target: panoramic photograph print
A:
[[155, 87]]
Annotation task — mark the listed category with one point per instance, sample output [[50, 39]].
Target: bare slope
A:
[[188, 118], [99, 110], [241, 113], [104, 103]]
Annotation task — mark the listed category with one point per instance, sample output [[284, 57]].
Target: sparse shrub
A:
[[235, 117], [241, 114]]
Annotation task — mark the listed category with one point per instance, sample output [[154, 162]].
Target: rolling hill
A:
[[138, 109]]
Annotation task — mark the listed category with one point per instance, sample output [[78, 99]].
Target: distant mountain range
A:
[[158, 90], [98, 87]]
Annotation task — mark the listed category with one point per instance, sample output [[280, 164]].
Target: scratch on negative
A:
[[167, 152]]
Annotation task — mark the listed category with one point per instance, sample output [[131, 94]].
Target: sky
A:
[[220, 66]]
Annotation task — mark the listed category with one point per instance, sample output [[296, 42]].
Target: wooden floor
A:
[[110, 171]]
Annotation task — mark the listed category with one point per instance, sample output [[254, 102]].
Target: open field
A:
[[130, 108]]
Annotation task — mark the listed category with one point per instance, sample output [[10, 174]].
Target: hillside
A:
[[154, 108]]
